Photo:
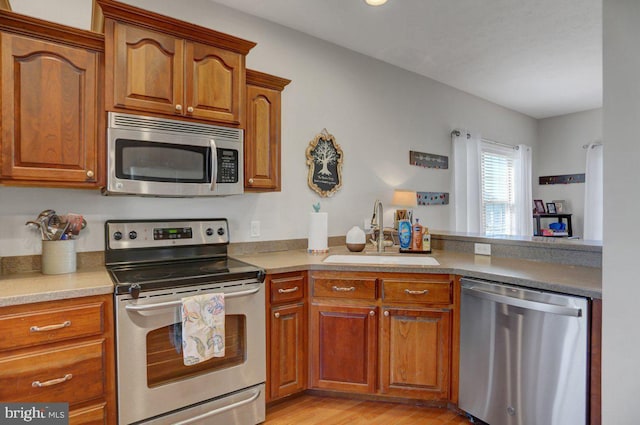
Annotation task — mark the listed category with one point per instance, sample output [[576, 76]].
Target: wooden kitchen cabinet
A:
[[61, 351], [343, 348], [262, 136], [407, 351], [51, 101], [159, 65], [287, 334], [344, 332]]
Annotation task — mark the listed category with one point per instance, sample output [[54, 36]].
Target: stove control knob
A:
[[209, 231], [134, 290], [221, 231], [133, 234], [117, 236]]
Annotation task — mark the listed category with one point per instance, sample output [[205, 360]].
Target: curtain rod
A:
[[592, 145], [457, 134]]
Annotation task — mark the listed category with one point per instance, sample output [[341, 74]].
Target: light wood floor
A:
[[314, 410]]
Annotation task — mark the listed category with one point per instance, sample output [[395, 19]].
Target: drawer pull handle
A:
[[50, 327], [411, 292], [277, 315], [287, 291], [65, 378], [343, 288]]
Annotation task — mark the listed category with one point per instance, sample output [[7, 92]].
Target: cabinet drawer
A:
[[345, 288], [92, 415], [287, 288], [26, 329], [72, 373], [417, 291]]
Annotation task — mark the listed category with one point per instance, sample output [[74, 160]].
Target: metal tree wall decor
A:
[[324, 158]]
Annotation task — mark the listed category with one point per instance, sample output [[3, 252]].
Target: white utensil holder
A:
[[59, 257]]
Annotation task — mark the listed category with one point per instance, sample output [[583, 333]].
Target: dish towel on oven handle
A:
[[202, 328]]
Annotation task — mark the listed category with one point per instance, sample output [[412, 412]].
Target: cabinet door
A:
[[288, 357], [147, 69], [49, 111], [415, 350], [262, 139], [343, 348], [214, 81]]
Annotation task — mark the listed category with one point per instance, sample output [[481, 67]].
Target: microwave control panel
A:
[[227, 166]]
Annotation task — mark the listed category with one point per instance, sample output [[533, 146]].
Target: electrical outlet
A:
[[482, 248], [255, 229]]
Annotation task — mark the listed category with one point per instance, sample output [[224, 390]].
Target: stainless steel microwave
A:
[[163, 157]]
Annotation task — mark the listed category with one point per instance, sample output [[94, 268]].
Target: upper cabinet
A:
[[262, 136], [158, 65], [51, 96]]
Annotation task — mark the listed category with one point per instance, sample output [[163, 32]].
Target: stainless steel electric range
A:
[[154, 264]]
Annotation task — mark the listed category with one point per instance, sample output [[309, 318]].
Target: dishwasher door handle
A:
[[519, 302]]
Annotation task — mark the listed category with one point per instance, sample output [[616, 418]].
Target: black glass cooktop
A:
[[182, 273]]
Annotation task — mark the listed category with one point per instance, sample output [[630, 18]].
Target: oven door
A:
[[152, 378]]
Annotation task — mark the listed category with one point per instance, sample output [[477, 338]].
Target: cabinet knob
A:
[[250, 181], [277, 315], [90, 174], [178, 107], [386, 314], [372, 313], [190, 109]]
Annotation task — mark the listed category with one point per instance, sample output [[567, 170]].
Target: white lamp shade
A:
[[404, 198]]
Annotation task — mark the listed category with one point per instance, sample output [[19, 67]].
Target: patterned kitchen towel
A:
[[202, 328]]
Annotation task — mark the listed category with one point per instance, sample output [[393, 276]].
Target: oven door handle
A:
[[214, 164], [232, 406], [176, 303]]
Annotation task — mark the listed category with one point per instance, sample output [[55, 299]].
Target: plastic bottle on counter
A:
[[416, 236], [426, 240], [404, 233]]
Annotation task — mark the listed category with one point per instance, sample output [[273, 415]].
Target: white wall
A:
[[376, 112], [560, 141], [621, 289]]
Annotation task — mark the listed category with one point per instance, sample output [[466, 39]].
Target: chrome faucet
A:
[[377, 223]]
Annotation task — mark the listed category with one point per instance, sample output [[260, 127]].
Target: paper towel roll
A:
[[318, 232]]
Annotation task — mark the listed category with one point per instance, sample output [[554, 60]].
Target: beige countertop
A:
[[569, 279], [24, 288]]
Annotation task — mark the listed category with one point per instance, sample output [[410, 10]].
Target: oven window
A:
[[162, 162], [164, 352]]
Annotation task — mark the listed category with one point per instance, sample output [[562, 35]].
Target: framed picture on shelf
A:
[[539, 206], [560, 207], [551, 208]]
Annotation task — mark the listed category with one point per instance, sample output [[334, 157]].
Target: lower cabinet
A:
[[61, 351], [287, 336], [388, 334], [415, 353], [343, 347]]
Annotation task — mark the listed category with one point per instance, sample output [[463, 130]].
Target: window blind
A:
[[497, 194]]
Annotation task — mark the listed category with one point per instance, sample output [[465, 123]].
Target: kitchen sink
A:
[[400, 260]]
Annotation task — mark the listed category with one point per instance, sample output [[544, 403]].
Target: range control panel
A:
[[160, 233]]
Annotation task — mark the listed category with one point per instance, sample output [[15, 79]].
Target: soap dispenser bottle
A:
[[416, 236]]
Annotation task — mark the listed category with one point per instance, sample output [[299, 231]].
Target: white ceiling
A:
[[539, 57]]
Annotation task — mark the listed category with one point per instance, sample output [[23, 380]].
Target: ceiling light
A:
[[375, 2]]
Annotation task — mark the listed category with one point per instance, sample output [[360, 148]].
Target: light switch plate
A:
[[482, 248]]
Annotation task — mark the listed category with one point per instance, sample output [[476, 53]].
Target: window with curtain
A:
[[497, 195]]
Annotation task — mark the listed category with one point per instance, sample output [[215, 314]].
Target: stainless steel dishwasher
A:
[[523, 355]]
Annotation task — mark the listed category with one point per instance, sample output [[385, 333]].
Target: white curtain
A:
[[593, 197], [523, 192], [466, 182]]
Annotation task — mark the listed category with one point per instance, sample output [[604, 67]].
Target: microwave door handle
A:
[[214, 164]]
